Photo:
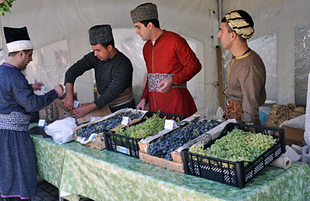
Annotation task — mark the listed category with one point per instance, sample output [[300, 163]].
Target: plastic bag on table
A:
[[61, 130], [297, 122], [217, 116]]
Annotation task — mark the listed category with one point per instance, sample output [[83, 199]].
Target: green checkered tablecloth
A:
[[107, 175]]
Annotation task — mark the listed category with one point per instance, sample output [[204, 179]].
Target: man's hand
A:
[[141, 104], [68, 100], [165, 85], [37, 86], [83, 110]]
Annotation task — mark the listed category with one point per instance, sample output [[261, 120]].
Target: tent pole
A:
[[220, 10], [220, 76], [219, 59]]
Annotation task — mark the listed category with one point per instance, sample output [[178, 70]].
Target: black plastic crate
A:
[[234, 173], [122, 144], [129, 145]]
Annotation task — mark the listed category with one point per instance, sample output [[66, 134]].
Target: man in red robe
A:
[[170, 64]]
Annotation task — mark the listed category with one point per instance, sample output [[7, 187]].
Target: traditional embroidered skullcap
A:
[[17, 39], [146, 11], [241, 22], [100, 34]]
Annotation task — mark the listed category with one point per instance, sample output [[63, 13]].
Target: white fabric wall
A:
[[59, 32], [284, 19]]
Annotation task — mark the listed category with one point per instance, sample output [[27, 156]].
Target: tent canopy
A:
[[59, 32]]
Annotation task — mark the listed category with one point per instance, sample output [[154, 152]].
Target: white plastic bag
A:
[[217, 116], [61, 130], [297, 122], [219, 113]]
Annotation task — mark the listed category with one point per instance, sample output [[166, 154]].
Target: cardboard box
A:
[[294, 136], [95, 113], [98, 144], [62, 113]]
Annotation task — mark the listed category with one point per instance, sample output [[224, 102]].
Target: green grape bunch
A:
[[149, 127], [5, 6], [237, 146]]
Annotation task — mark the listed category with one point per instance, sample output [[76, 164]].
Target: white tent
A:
[[59, 32]]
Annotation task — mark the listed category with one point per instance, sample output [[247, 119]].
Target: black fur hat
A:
[[100, 34]]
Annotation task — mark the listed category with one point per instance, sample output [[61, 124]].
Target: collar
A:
[[245, 54], [157, 38], [9, 65]]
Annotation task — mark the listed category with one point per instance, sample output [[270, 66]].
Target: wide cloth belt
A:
[[155, 78], [15, 121], [233, 110], [125, 97]]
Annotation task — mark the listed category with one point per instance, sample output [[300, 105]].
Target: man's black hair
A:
[[13, 54], [155, 22], [105, 45]]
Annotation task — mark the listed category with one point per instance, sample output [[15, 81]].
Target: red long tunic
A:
[[171, 55]]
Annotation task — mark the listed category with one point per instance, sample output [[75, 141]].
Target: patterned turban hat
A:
[[241, 23]]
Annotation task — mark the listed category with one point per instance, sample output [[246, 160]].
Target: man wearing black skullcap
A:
[[18, 168], [170, 64], [246, 76], [113, 74]]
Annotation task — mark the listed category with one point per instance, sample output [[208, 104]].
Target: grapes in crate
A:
[[237, 146], [107, 124], [163, 146], [150, 126]]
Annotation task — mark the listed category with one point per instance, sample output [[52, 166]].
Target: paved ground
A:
[[46, 192]]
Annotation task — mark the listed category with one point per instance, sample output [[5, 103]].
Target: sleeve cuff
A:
[[173, 81], [56, 92]]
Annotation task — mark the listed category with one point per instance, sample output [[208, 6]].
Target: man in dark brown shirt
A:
[[246, 77]]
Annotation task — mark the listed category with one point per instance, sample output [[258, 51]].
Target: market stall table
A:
[[106, 175]]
